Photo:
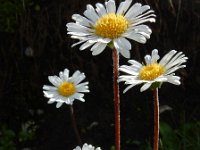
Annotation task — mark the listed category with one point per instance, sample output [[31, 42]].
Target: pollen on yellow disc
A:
[[152, 71], [67, 89], [111, 26]]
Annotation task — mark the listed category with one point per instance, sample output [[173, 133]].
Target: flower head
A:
[[87, 147], [153, 71], [107, 24], [66, 89]]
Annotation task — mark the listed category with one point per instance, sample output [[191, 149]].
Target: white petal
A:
[[145, 86], [87, 147], [69, 101], [79, 78], [139, 20], [50, 94], [82, 89], [66, 74], [82, 99], [77, 148], [110, 6], [148, 14], [79, 96], [77, 43], [96, 39], [94, 15], [135, 63], [143, 20], [179, 55], [177, 60], [154, 56], [98, 48], [123, 7], [174, 80], [81, 20], [118, 43], [133, 68], [100, 9], [136, 82], [129, 70], [176, 63], [124, 52], [59, 104], [173, 69], [133, 10], [75, 76], [125, 44], [147, 59], [61, 75], [91, 14], [50, 102], [136, 37], [58, 98], [85, 45], [80, 34], [127, 88], [167, 57], [49, 88], [127, 78], [82, 84], [146, 32], [56, 81], [74, 27], [142, 28], [161, 79]]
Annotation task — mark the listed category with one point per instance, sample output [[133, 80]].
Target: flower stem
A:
[[115, 57], [156, 119], [74, 125]]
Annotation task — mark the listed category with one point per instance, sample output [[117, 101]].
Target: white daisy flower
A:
[[107, 24], [153, 72], [66, 89], [87, 147]]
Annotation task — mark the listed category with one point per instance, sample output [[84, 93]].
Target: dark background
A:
[[34, 44]]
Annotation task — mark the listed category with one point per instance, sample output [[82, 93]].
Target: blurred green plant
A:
[[186, 137], [10, 11], [8, 137]]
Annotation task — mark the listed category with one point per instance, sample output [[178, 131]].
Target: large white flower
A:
[[153, 72], [87, 147], [66, 89], [106, 24]]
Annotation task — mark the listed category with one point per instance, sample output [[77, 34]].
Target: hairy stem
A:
[[156, 119], [74, 125], [115, 57]]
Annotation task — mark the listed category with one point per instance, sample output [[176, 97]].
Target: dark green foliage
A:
[[10, 138], [7, 137], [10, 12], [184, 138]]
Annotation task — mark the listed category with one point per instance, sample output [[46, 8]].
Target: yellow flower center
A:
[[152, 71], [67, 89], [111, 26]]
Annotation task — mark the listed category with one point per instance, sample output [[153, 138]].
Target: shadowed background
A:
[[34, 44]]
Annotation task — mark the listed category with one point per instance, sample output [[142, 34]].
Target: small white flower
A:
[[87, 147], [107, 24], [153, 72], [66, 89]]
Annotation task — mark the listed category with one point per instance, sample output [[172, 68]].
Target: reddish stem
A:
[[156, 119], [115, 57], [74, 125]]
